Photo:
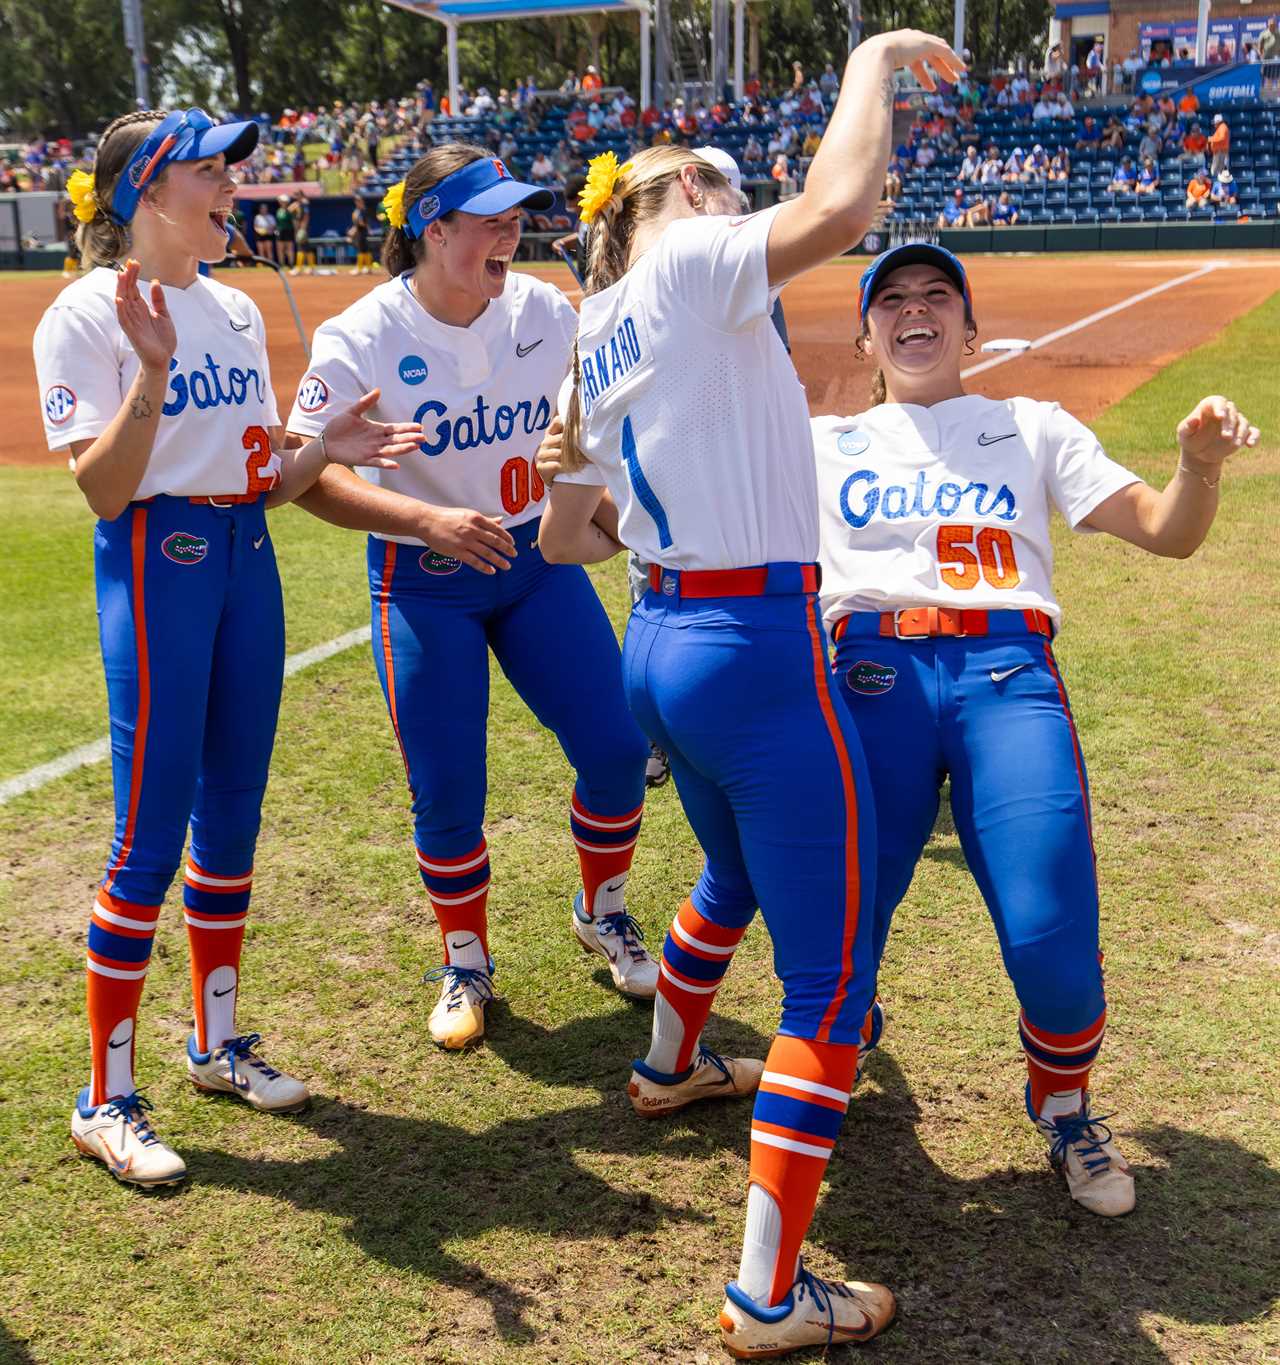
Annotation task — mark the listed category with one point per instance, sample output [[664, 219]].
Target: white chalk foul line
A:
[[1082, 323], [35, 778]]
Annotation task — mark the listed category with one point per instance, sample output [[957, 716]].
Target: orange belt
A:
[[753, 582], [224, 499], [919, 623]]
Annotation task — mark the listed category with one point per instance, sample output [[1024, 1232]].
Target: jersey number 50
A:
[[961, 568]]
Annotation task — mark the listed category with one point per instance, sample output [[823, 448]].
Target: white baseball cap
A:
[[724, 163]]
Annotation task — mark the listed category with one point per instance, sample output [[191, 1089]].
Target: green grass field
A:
[[504, 1206]]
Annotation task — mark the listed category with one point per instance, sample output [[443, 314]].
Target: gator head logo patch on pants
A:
[[432, 561], [870, 679], [184, 548]]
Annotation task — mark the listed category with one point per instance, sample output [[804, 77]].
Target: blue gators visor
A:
[[183, 136], [480, 187], [910, 253]]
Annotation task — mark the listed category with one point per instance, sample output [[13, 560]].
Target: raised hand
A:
[[1214, 429], [148, 326], [352, 440], [924, 54], [549, 452]]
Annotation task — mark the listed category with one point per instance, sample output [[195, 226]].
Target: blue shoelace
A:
[[626, 928], [133, 1109], [1086, 1134], [705, 1054], [241, 1050], [821, 1292], [459, 978]]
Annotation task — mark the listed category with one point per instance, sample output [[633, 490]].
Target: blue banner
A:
[[1240, 82]]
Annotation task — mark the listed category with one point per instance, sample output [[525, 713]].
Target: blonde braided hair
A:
[[103, 241]]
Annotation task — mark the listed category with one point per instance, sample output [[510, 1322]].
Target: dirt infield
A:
[[1086, 370]]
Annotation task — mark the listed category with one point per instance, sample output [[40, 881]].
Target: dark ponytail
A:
[[400, 252]]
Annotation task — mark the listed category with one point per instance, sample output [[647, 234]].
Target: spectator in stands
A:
[[1224, 188], [1194, 145], [812, 141], [1148, 177], [891, 196], [1269, 42], [1113, 135], [797, 77], [1004, 212], [1013, 165], [992, 168], [1060, 166], [1054, 64], [1020, 86], [1043, 111], [1095, 65], [1250, 54], [1090, 135], [542, 172], [751, 149], [1131, 65], [264, 231], [829, 82], [1198, 190], [1149, 146], [970, 166], [926, 155], [781, 172], [1035, 168], [955, 212], [591, 81], [1219, 145], [1124, 177]]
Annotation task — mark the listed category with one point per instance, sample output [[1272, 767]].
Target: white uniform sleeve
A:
[[79, 373], [333, 382], [1080, 473], [719, 267], [260, 331]]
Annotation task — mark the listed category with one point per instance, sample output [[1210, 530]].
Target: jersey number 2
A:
[[258, 443], [994, 560]]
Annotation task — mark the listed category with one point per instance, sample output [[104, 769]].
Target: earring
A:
[[697, 203]]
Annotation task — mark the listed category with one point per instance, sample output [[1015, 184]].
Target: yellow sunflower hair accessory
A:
[[80, 188], [603, 174], [393, 205]]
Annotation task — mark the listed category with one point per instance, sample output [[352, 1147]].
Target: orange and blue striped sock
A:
[[606, 844], [459, 892], [695, 958], [799, 1110], [1059, 1061], [215, 907], [120, 939]]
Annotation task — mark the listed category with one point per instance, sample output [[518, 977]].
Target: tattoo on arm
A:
[[141, 407], [887, 92]]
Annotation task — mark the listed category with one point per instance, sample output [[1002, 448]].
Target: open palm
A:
[[148, 325]]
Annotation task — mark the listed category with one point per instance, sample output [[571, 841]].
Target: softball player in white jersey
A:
[[163, 398], [937, 589], [686, 409], [476, 354]]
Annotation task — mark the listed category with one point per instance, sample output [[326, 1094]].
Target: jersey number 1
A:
[[961, 568]]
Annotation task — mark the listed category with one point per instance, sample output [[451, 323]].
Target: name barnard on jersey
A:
[[483, 425], [862, 496], [206, 390], [603, 366]]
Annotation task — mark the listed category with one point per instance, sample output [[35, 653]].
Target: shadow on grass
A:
[[1006, 1267], [406, 1186], [13, 1350]]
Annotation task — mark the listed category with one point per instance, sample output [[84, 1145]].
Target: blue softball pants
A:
[[992, 714], [191, 622], [771, 775], [434, 622]]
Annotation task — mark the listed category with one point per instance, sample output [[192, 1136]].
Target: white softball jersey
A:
[[484, 393], [692, 415], [949, 505], [213, 437]]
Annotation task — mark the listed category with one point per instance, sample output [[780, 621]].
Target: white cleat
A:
[[458, 1018], [119, 1134], [815, 1313], [711, 1077], [618, 939], [1081, 1147], [235, 1068]]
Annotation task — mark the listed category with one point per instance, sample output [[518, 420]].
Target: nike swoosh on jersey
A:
[[240, 326], [522, 351], [257, 544], [1007, 673], [985, 440]]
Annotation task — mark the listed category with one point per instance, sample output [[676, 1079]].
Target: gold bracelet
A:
[[1208, 483]]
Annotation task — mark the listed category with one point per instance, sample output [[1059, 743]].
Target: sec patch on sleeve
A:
[[313, 393], [59, 404]]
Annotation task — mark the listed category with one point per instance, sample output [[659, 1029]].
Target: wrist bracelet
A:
[[1208, 483]]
